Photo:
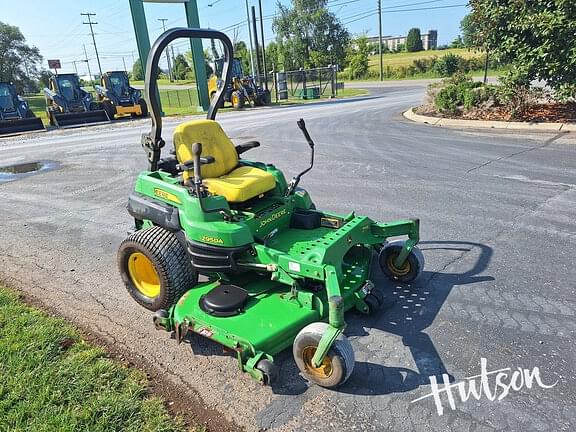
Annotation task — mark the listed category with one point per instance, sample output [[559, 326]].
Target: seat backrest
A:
[[214, 142]]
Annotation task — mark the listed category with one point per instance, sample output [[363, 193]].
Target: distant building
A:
[[429, 40]]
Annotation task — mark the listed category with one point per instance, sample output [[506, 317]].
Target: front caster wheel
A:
[[269, 371], [338, 363], [409, 271], [375, 301], [159, 319]]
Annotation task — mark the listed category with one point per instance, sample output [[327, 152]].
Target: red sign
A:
[[54, 64]]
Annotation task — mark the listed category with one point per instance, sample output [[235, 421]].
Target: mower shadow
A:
[[408, 312]]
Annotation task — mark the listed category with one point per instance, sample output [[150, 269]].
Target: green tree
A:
[[414, 40], [44, 78], [181, 67], [242, 52], [137, 71], [470, 35], [457, 43], [308, 35], [357, 57], [138, 74], [272, 56], [18, 61], [208, 58], [448, 65], [536, 38]]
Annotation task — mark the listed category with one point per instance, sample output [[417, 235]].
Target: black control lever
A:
[[199, 188], [302, 125], [294, 183], [188, 165]]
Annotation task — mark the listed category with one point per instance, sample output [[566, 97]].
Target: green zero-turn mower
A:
[[279, 272]]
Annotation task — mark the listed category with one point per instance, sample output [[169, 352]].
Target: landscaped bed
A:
[[460, 97]]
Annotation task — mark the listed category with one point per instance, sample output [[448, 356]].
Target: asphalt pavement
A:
[[498, 221]]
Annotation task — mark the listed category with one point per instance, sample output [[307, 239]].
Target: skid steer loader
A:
[[118, 98], [15, 115], [68, 104]]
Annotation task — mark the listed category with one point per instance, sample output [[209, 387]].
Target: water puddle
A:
[[25, 169]]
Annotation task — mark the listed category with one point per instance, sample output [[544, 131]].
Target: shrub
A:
[[424, 65], [456, 92], [449, 64], [516, 92]]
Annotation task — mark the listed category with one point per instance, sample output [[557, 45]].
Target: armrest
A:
[[243, 148], [188, 165]]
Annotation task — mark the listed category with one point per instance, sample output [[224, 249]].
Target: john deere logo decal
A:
[[166, 195], [272, 218]]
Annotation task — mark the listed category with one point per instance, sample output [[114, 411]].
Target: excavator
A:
[[118, 98], [67, 103], [15, 114]]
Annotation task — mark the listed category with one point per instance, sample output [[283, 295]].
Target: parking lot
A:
[[498, 221]]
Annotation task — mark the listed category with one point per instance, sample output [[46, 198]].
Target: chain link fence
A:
[[308, 83]]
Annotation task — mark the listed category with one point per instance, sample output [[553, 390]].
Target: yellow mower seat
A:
[[223, 177]]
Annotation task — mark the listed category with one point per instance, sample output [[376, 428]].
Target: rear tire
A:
[[143, 108], [238, 99], [155, 268], [50, 116], [338, 363], [258, 100], [109, 108]]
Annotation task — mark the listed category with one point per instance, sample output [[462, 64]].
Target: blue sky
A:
[[56, 28]]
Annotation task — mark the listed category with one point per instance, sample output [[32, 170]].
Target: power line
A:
[[90, 23]]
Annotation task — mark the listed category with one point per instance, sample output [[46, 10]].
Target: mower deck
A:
[[281, 312]]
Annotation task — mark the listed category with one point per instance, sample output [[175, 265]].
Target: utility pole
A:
[[263, 46], [173, 60], [380, 39], [90, 23], [124, 63], [87, 63], [170, 75], [251, 45]]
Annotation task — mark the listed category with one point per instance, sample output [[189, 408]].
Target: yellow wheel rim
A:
[[235, 100], [324, 370], [144, 275], [398, 271]]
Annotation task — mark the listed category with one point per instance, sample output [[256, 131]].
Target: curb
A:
[[488, 124]]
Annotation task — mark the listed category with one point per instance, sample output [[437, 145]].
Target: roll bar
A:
[[153, 142]]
